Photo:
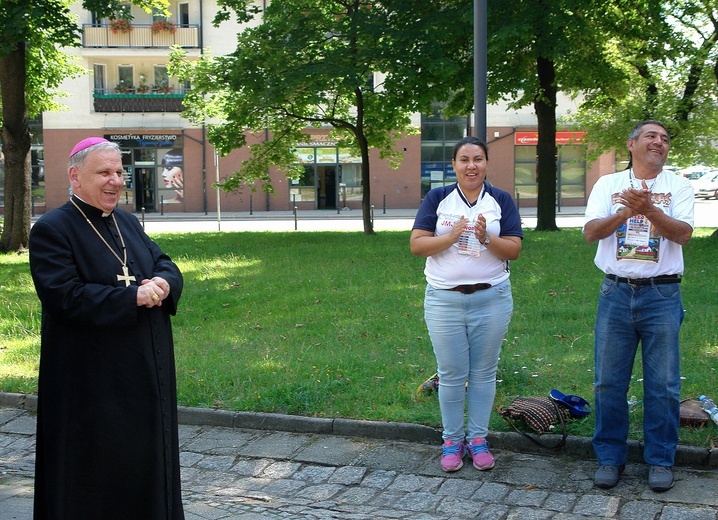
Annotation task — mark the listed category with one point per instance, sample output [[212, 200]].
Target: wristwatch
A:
[[488, 239]]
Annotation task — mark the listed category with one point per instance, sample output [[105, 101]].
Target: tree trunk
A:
[[545, 106], [365, 170], [16, 149], [366, 191]]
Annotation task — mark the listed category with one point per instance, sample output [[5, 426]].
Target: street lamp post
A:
[[480, 66]]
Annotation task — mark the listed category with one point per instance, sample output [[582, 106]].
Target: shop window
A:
[[438, 137], [570, 174], [323, 167], [525, 172], [622, 160], [302, 189], [350, 183]]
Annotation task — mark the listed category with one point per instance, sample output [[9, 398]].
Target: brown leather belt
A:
[[666, 278], [470, 289]]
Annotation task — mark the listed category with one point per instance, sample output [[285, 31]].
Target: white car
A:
[[707, 186]]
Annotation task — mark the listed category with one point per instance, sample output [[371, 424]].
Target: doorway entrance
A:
[[327, 187], [145, 182]]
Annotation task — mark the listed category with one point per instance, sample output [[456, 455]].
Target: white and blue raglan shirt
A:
[[438, 212]]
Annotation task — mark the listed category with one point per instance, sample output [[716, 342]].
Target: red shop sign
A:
[[531, 138]]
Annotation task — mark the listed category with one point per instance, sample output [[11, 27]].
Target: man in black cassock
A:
[[107, 441]]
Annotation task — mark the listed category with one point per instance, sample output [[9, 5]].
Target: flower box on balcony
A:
[[138, 102], [163, 25], [120, 25]]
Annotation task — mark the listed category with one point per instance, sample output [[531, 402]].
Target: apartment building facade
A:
[[128, 97]]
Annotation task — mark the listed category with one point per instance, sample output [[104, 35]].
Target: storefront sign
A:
[[327, 155], [562, 138], [143, 140]]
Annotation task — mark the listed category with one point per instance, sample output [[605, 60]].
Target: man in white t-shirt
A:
[[641, 218]]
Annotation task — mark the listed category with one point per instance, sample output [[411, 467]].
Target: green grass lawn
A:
[[330, 324]]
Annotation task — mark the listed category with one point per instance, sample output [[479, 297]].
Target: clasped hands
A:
[[150, 293], [479, 228], [637, 201]]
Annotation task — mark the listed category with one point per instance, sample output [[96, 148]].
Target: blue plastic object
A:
[[577, 406]]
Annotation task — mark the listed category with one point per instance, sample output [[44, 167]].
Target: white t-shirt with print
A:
[[672, 193]]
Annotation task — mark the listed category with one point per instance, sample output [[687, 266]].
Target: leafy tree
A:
[[538, 49], [32, 67], [359, 66], [672, 74]]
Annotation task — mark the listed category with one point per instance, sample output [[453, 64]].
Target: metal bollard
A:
[[295, 218]]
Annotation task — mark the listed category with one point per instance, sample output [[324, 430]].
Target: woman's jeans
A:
[[466, 331], [629, 314]]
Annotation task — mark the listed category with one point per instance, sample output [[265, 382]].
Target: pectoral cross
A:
[[125, 276]]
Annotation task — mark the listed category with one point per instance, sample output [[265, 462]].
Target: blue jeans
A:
[[466, 331], [629, 314]]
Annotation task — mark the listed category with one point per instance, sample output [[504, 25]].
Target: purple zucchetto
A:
[[86, 143]]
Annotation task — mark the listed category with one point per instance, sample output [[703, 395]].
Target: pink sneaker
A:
[[480, 454], [452, 458]]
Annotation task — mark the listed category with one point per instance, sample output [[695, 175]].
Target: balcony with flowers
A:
[[124, 33], [161, 97]]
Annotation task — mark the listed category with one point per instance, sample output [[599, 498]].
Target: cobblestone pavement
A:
[[252, 474]]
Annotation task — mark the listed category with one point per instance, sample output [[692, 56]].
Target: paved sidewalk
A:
[[706, 215], [249, 466]]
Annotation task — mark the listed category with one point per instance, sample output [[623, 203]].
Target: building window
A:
[[158, 16], [183, 15], [99, 78], [570, 173], [96, 21], [525, 172], [302, 189], [162, 80], [438, 137], [125, 78]]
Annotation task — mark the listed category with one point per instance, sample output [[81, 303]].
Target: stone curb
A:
[[575, 447]]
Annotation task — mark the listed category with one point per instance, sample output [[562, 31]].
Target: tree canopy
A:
[[33, 65], [360, 67], [670, 62], [540, 49]]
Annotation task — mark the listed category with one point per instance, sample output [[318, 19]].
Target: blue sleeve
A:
[[426, 217], [510, 218]]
